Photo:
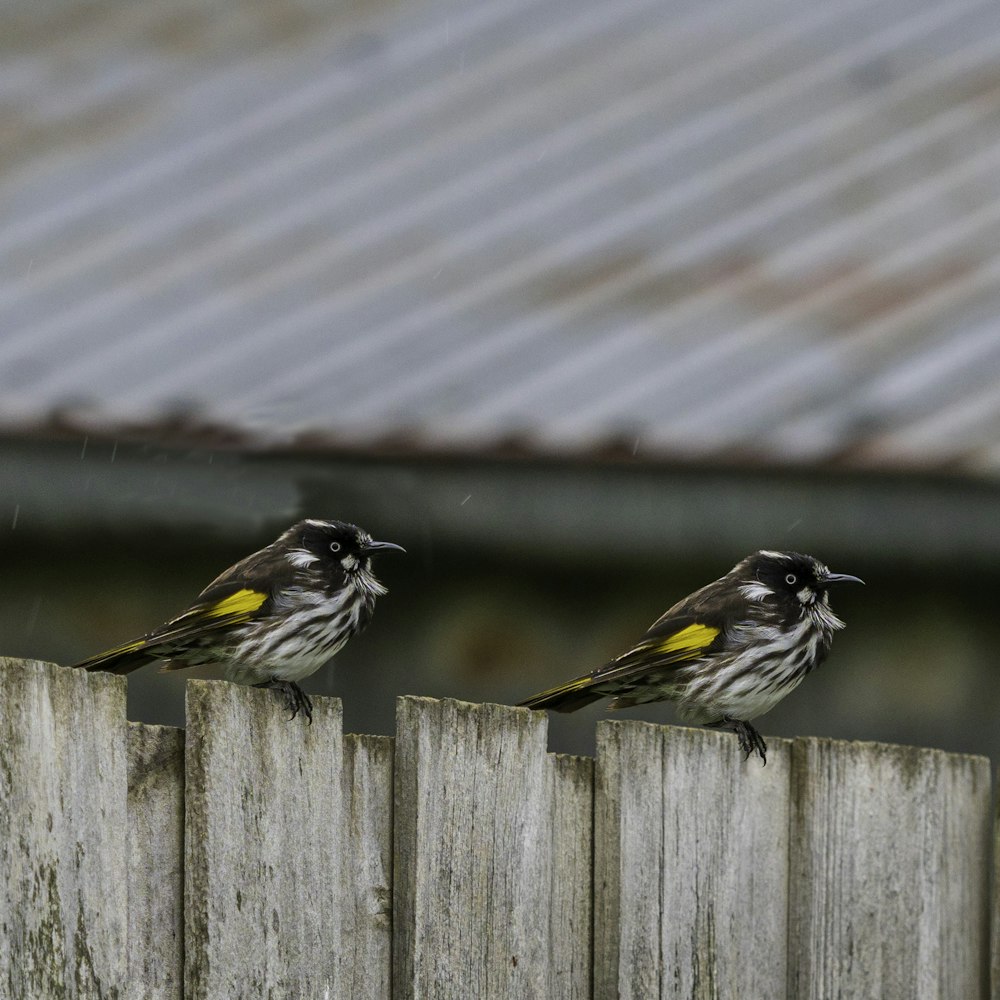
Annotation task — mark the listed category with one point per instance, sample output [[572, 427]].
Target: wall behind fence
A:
[[250, 856]]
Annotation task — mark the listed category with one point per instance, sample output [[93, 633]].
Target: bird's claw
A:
[[750, 740], [296, 699]]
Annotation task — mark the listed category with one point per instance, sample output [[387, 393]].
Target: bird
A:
[[726, 653], [274, 617]]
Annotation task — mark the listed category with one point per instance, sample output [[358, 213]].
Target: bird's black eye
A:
[[791, 579], [334, 546]]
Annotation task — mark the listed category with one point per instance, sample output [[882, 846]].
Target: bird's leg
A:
[[749, 739], [296, 699]]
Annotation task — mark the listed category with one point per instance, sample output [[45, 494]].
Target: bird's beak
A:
[[375, 546], [842, 578]]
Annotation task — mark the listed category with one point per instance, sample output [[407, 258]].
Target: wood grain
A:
[[63, 890], [889, 853], [690, 867], [472, 852], [264, 840], [155, 862], [571, 887], [461, 860], [366, 933]]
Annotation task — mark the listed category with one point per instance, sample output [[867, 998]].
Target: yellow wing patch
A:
[[689, 642], [243, 602], [578, 684], [126, 647]]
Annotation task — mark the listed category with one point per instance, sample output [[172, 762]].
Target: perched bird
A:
[[727, 653], [272, 619]]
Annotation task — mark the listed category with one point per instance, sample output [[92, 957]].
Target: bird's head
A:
[[788, 577], [333, 544]]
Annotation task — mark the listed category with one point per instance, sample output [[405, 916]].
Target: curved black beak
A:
[[842, 578], [376, 546]]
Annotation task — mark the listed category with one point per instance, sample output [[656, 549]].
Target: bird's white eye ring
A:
[[334, 546], [791, 579]]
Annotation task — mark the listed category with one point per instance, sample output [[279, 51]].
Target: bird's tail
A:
[[122, 659], [567, 697]]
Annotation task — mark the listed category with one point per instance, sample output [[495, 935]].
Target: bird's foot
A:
[[751, 742], [296, 699]]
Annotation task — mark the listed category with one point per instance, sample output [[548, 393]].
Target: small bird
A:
[[727, 653], [272, 619]]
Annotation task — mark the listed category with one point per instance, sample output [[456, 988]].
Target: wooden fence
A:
[[250, 857]]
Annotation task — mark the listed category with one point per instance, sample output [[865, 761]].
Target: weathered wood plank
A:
[[367, 924], [155, 862], [889, 861], [690, 869], [571, 956], [472, 870], [263, 846], [63, 890], [995, 922]]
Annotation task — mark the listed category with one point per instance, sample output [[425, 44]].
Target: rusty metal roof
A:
[[764, 228]]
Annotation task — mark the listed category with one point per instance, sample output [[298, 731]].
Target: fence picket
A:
[[63, 892], [366, 937], [264, 841], [472, 852], [155, 862], [889, 853], [995, 922], [691, 858], [571, 888]]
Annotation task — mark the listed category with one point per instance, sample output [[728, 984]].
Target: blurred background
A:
[[580, 302]]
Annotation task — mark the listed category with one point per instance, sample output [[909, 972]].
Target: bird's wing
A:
[[670, 641], [241, 593], [215, 609], [221, 605], [692, 628]]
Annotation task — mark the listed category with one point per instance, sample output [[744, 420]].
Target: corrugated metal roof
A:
[[768, 227]]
